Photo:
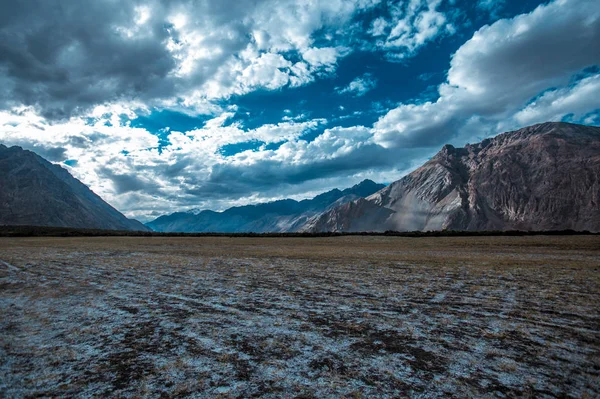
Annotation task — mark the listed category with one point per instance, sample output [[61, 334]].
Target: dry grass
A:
[[300, 317]]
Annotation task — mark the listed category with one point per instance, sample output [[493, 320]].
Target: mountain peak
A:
[[364, 188], [364, 183], [572, 131], [562, 129], [194, 211]]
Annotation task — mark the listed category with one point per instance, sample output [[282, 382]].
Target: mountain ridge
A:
[[285, 215], [34, 191]]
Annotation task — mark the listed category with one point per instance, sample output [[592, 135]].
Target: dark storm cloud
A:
[[129, 182], [267, 176], [53, 154], [68, 55]]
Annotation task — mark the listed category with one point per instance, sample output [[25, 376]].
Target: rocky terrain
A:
[[280, 216], [543, 177], [36, 192], [346, 317]]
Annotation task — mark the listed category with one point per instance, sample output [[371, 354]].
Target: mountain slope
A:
[[279, 216], [543, 177], [36, 192]]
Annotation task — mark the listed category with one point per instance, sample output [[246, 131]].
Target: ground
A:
[[300, 317]]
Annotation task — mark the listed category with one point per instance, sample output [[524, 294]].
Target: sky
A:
[[162, 106]]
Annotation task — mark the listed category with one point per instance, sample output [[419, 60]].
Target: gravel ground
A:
[[300, 318]]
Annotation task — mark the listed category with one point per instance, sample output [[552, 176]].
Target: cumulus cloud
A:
[[66, 59], [326, 56], [359, 86], [499, 70], [580, 101], [410, 25]]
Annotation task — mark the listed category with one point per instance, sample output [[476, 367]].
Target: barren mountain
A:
[[542, 177], [36, 192], [279, 216]]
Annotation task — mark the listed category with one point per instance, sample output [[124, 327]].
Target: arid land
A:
[[300, 317]]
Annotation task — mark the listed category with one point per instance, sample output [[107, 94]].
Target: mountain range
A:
[[285, 215], [542, 177], [36, 192]]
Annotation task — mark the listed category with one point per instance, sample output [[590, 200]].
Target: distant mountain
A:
[[279, 216], [542, 177], [36, 192]]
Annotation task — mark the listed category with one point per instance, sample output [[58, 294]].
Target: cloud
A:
[[326, 56], [579, 101], [266, 71], [125, 183], [359, 86], [491, 7], [66, 59], [410, 26], [498, 71], [345, 151]]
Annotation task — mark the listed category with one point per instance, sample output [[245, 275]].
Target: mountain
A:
[[279, 216], [36, 192], [542, 177]]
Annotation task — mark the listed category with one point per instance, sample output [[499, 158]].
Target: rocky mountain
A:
[[279, 216], [36, 192], [542, 177]]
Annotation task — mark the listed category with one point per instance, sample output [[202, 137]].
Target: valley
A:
[[300, 317]]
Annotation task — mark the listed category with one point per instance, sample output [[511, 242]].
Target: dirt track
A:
[[293, 317]]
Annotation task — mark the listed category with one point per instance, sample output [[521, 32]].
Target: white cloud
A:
[[359, 86], [266, 71], [411, 25], [121, 163], [326, 56], [189, 54], [579, 100], [495, 73], [378, 27], [163, 53]]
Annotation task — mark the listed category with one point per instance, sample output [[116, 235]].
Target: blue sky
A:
[[393, 81], [162, 107]]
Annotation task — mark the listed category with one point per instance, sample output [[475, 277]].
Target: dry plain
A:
[[300, 317]]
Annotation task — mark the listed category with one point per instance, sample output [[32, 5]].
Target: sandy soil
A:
[[300, 317]]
